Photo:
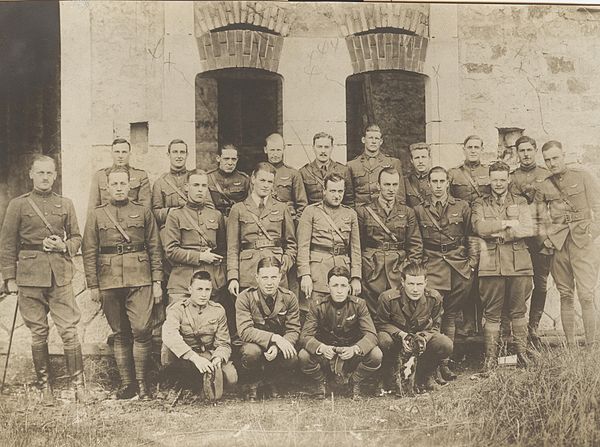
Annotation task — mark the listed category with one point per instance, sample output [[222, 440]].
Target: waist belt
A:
[[443, 248], [335, 249], [261, 243], [34, 247], [494, 240], [576, 217], [386, 246], [120, 249]]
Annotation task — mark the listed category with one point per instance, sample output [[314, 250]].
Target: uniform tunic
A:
[[418, 189], [469, 181], [138, 183], [289, 189], [232, 188], [364, 172], [165, 197], [313, 178]]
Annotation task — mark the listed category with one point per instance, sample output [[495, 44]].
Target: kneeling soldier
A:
[[195, 332], [413, 309], [339, 335], [268, 324]]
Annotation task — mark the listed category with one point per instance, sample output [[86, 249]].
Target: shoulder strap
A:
[[219, 189], [381, 224], [257, 221], [471, 181], [332, 224], [436, 223], [41, 216], [196, 227], [563, 196], [175, 188], [117, 225]]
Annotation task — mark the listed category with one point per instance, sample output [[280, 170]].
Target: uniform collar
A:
[[225, 174], [368, 157], [119, 203], [386, 205], [472, 165], [337, 305], [257, 200], [178, 172], [420, 176], [277, 165], [529, 168], [38, 193], [194, 205]]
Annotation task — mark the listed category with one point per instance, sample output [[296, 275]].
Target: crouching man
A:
[[339, 336], [412, 309], [196, 333], [268, 323]]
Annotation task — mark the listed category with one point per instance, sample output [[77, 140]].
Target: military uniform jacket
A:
[[395, 313], [189, 327], [469, 182], [289, 189], [578, 217], [257, 324], [455, 222], [165, 197], [402, 223], [183, 244], [138, 182], [418, 189], [334, 325], [232, 188], [315, 230], [22, 227], [314, 180], [242, 228], [364, 172], [113, 271], [503, 252]]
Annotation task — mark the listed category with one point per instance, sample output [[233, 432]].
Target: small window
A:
[[138, 133]]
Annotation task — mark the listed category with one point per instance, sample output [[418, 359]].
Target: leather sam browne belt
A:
[[120, 249], [385, 246], [335, 249], [442, 248], [575, 217], [32, 247], [261, 243]]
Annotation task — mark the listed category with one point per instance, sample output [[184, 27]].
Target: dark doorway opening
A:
[[29, 92], [393, 99], [239, 106]]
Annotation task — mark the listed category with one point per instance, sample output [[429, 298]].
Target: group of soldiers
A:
[[332, 268]]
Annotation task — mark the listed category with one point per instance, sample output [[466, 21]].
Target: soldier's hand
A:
[[217, 362], [548, 243], [327, 351], [510, 223], [271, 353], [12, 287], [346, 353], [406, 347], [234, 287], [157, 292], [209, 257], [95, 295], [306, 285], [202, 364], [54, 243], [287, 349], [356, 286]]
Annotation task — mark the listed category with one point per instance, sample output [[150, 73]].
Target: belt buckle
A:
[[386, 246], [120, 249], [337, 250], [500, 240], [262, 244], [444, 248], [568, 218]]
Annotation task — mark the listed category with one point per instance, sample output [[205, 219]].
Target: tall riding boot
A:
[[124, 359], [141, 357], [41, 363], [520, 338], [491, 334], [589, 322], [361, 372], [567, 316], [74, 361], [318, 379]]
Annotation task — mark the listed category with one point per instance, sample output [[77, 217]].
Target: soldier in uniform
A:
[[570, 201], [314, 173], [339, 329], [468, 182], [503, 220], [122, 258], [413, 308], [328, 235], [451, 252], [195, 332], [257, 227], [139, 189], [390, 238], [365, 169], [226, 184], [525, 180], [39, 238], [418, 190], [268, 322]]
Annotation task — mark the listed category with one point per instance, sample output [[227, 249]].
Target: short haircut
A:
[[274, 136], [437, 169], [550, 144], [387, 170], [525, 139], [372, 128], [226, 147], [177, 141], [419, 147], [42, 158], [414, 268], [201, 276], [119, 170], [265, 167], [339, 270], [473, 137], [197, 172], [333, 177], [322, 135], [499, 166], [268, 261], [120, 141]]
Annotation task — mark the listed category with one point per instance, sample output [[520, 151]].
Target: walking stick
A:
[[12, 331]]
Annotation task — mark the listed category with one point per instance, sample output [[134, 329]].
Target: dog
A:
[[406, 364]]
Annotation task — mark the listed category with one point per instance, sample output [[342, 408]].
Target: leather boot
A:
[[446, 372], [141, 357], [252, 392], [359, 375], [491, 334], [74, 361], [124, 360], [520, 339], [319, 387], [41, 363], [143, 391], [430, 384]]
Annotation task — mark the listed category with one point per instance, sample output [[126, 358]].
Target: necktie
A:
[[439, 208], [261, 206], [270, 302]]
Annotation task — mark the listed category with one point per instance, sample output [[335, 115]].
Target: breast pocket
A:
[[58, 219], [284, 189], [576, 194], [487, 262], [26, 267]]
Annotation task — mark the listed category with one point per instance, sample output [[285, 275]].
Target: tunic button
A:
[[338, 312], [45, 214]]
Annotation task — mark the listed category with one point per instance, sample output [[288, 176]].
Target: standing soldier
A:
[[226, 184], [451, 252], [257, 227], [390, 238], [339, 329], [503, 221], [570, 201], [365, 169], [139, 189], [314, 173], [526, 179], [269, 325], [122, 258], [39, 238], [328, 235], [418, 190], [468, 182]]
